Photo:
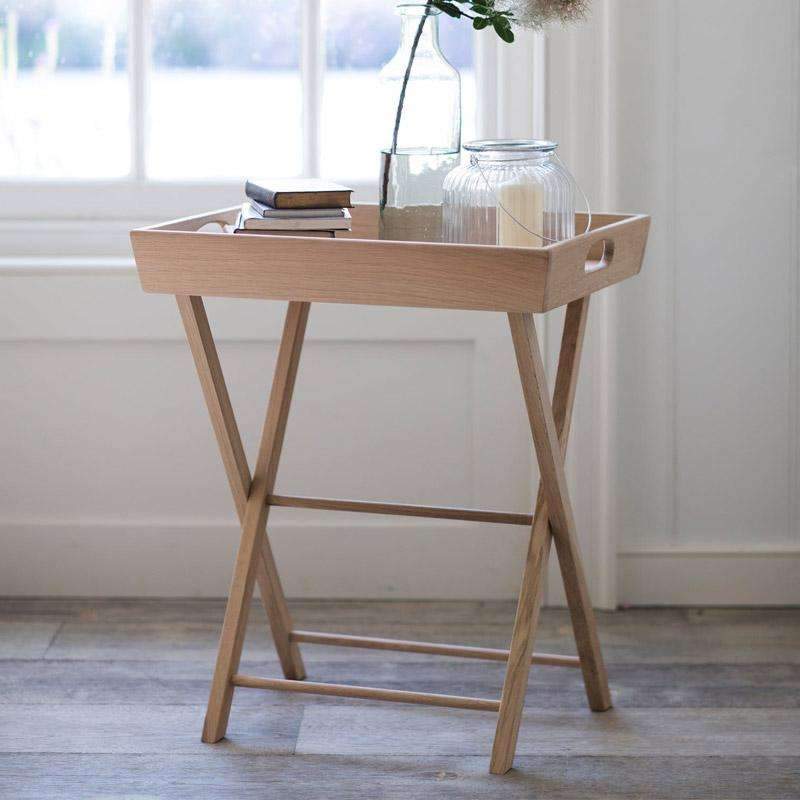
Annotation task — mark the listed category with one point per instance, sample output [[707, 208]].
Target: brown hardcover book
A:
[[299, 193], [251, 222]]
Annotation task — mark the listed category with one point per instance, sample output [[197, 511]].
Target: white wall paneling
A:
[[511, 97], [111, 479], [689, 111], [579, 115], [684, 460], [114, 477]]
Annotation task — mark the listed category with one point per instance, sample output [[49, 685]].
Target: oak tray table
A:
[[181, 259]]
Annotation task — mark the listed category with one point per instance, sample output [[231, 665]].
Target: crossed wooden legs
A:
[[255, 555], [215, 392], [552, 517]]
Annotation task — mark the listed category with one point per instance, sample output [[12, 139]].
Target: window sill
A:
[[123, 200], [67, 266], [92, 220]]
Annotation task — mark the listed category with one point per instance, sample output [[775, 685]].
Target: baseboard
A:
[[358, 557], [349, 558], [747, 576]]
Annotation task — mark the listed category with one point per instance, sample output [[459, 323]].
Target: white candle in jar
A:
[[523, 202]]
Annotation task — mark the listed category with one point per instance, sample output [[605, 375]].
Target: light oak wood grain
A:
[[180, 258], [391, 509], [534, 390], [577, 267], [215, 392], [553, 480], [254, 543], [367, 693], [429, 648], [176, 259], [576, 590]]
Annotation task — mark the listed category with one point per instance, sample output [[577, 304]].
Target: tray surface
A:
[[177, 257]]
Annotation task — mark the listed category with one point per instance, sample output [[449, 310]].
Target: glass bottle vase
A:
[[421, 106]]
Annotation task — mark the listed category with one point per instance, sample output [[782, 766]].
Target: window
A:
[[361, 36], [225, 89], [199, 90], [64, 105]]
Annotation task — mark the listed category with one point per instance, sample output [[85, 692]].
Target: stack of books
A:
[[302, 207]]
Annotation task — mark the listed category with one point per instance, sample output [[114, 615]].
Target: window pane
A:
[[63, 89], [360, 37], [225, 92]]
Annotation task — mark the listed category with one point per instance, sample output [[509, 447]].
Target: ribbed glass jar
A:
[[512, 193]]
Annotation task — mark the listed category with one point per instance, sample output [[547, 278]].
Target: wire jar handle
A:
[[525, 227]]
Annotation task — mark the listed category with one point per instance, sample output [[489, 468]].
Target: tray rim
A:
[[614, 221], [175, 257]]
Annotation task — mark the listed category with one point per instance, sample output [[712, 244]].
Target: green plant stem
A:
[[407, 76], [401, 102]]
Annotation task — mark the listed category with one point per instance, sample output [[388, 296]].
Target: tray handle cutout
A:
[[221, 217], [600, 255], [220, 223]]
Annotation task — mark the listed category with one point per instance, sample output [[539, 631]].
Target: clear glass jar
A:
[[512, 193], [424, 147]]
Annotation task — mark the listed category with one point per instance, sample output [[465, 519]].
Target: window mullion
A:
[[486, 82], [138, 66], [312, 59], [520, 82]]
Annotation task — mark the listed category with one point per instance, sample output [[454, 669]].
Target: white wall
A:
[[698, 102], [111, 479], [684, 459]]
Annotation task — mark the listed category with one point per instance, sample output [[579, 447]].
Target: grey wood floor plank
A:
[[213, 776], [774, 617], [187, 682], [348, 730], [105, 698], [445, 613], [139, 729], [192, 641], [179, 631], [26, 638], [152, 641], [315, 612], [176, 629]]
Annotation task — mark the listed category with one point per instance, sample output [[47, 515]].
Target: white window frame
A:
[[510, 96]]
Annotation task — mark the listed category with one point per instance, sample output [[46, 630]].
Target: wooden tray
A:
[[177, 258]]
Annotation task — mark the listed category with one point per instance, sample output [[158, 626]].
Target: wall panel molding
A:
[[185, 558], [694, 408], [103, 416], [684, 463], [683, 576], [581, 97], [342, 558]]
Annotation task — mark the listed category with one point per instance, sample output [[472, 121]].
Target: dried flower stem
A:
[[497, 14]]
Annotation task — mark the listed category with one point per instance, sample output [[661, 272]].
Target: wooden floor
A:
[[105, 699]]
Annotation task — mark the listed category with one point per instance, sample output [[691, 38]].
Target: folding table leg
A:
[[254, 551], [215, 391], [550, 428], [584, 626]]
